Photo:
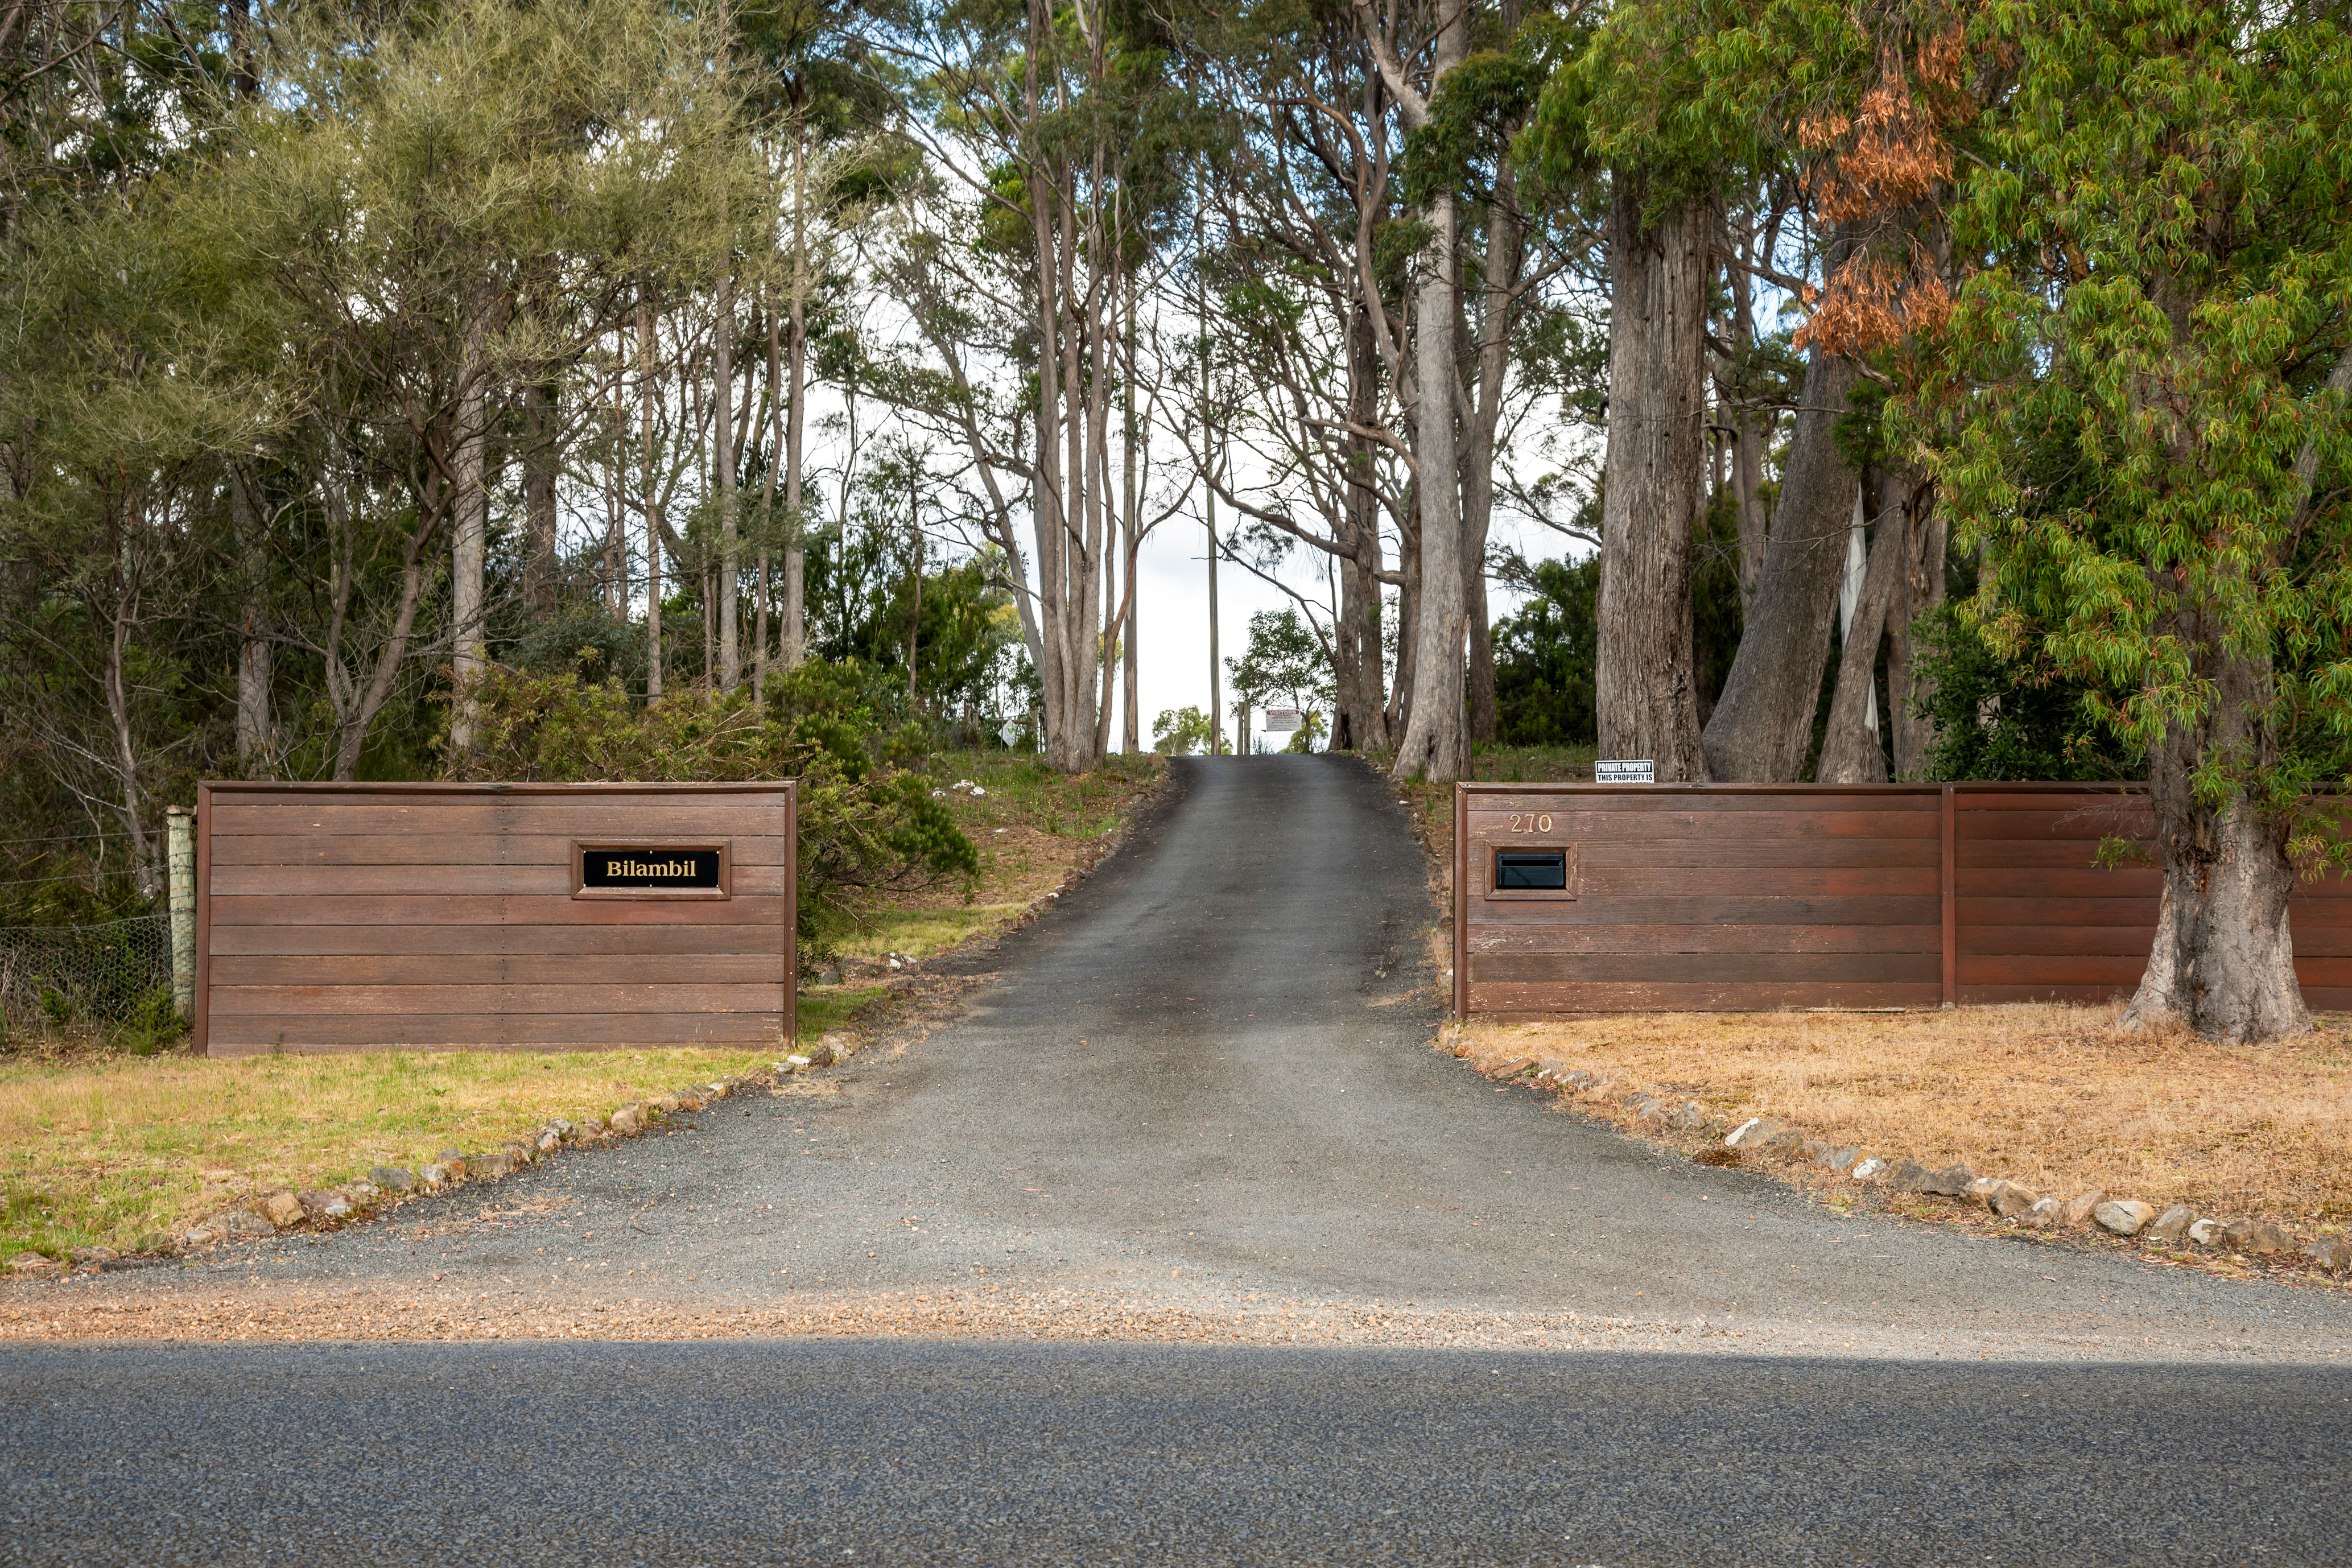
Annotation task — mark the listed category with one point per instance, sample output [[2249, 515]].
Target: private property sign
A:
[[1279, 719], [1645, 771]]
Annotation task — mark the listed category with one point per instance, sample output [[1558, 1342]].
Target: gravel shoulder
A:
[[1195, 1103]]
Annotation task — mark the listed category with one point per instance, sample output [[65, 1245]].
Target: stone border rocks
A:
[[2178, 1231]]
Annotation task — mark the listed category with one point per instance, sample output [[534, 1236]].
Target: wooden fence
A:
[[536, 917], [1742, 897]]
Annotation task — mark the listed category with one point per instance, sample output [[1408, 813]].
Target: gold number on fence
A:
[[1531, 822]]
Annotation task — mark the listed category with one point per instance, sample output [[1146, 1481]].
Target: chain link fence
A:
[[51, 976]]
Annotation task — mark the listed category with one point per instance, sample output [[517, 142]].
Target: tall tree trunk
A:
[[1646, 678], [1920, 589], [2223, 959], [1436, 744], [722, 437], [469, 552], [539, 499], [1361, 674], [1851, 753], [793, 634], [1763, 724], [652, 480], [1497, 313], [254, 736]]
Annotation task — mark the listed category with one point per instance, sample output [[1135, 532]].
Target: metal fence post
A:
[[179, 836]]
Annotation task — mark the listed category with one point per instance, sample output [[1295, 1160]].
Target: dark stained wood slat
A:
[[1558, 997], [497, 969], [2054, 969], [1996, 828], [666, 941], [2049, 882], [2021, 854], [1994, 995], [2058, 911], [1777, 881], [1708, 939], [251, 1033], [491, 909], [1710, 803], [1708, 910], [1734, 851], [619, 818], [442, 849], [1707, 969], [425, 1001], [1688, 823], [2098, 941], [232, 880]]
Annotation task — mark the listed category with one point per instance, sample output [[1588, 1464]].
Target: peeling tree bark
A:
[[1763, 724], [1646, 682]]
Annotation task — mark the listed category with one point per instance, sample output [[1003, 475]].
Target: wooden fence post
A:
[[1950, 884]]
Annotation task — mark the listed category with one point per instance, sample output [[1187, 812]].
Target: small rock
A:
[[281, 1209], [239, 1225], [95, 1255], [628, 1121], [2267, 1240], [1871, 1169], [206, 1231], [1951, 1181], [325, 1205], [2332, 1253], [2207, 1232], [1984, 1187], [550, 1142], [2124, 1216], [1763, 1132], [683, 1102], [394, 1178], [1687, 1116], [1906, 1175], [2011, 1201], [2080, 1206], [2236, 1233], [490, 1167], [31, 1263], [2044, 1213], [361, 1192], [2172, 1224], [823, 1055], [1513, 1068], [435, 1176], [664, 1103], [735, 1085], [1812, 1149], [1841, 1160], [451, 1156]]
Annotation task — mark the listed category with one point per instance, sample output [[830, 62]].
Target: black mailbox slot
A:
[[1531, 870]]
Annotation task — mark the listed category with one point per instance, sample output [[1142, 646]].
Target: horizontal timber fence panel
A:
[[531, 917], [1733, 898]]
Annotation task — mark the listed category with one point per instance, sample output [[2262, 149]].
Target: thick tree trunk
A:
[[1436, 743], [2223, 959], [1646, 679], [1763, 724], [793, 634], [1359, 672], [1851, 753], [1920, 590], [652, 504]]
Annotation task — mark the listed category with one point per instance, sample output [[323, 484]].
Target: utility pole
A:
[[1200, 301]]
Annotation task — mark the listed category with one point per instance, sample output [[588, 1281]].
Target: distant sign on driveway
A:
[[1645, 771], [1281, 718]]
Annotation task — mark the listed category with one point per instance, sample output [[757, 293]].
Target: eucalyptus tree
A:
[[1055, 120], [2140, 418]]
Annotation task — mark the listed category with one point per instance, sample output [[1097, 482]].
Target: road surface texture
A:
[[1360, 1306]]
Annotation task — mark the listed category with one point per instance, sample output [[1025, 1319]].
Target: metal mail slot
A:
[[1531, 870]]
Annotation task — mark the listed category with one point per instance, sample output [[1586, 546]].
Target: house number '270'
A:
[[1531, 822]]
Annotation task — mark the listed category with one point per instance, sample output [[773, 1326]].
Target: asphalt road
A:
[[1201, 1088]]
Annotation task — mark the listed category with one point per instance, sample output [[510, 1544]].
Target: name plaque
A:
[[652, 871]]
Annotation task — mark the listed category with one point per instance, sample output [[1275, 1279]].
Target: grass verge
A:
[[2051, 1097]]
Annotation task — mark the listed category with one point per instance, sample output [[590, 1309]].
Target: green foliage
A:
[[1179, 732], [1997, 717], [1284, 658], [1544, 659], [2129, 418], [867, 819]]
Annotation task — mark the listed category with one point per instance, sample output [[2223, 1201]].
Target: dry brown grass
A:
[[2049, 1096]]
